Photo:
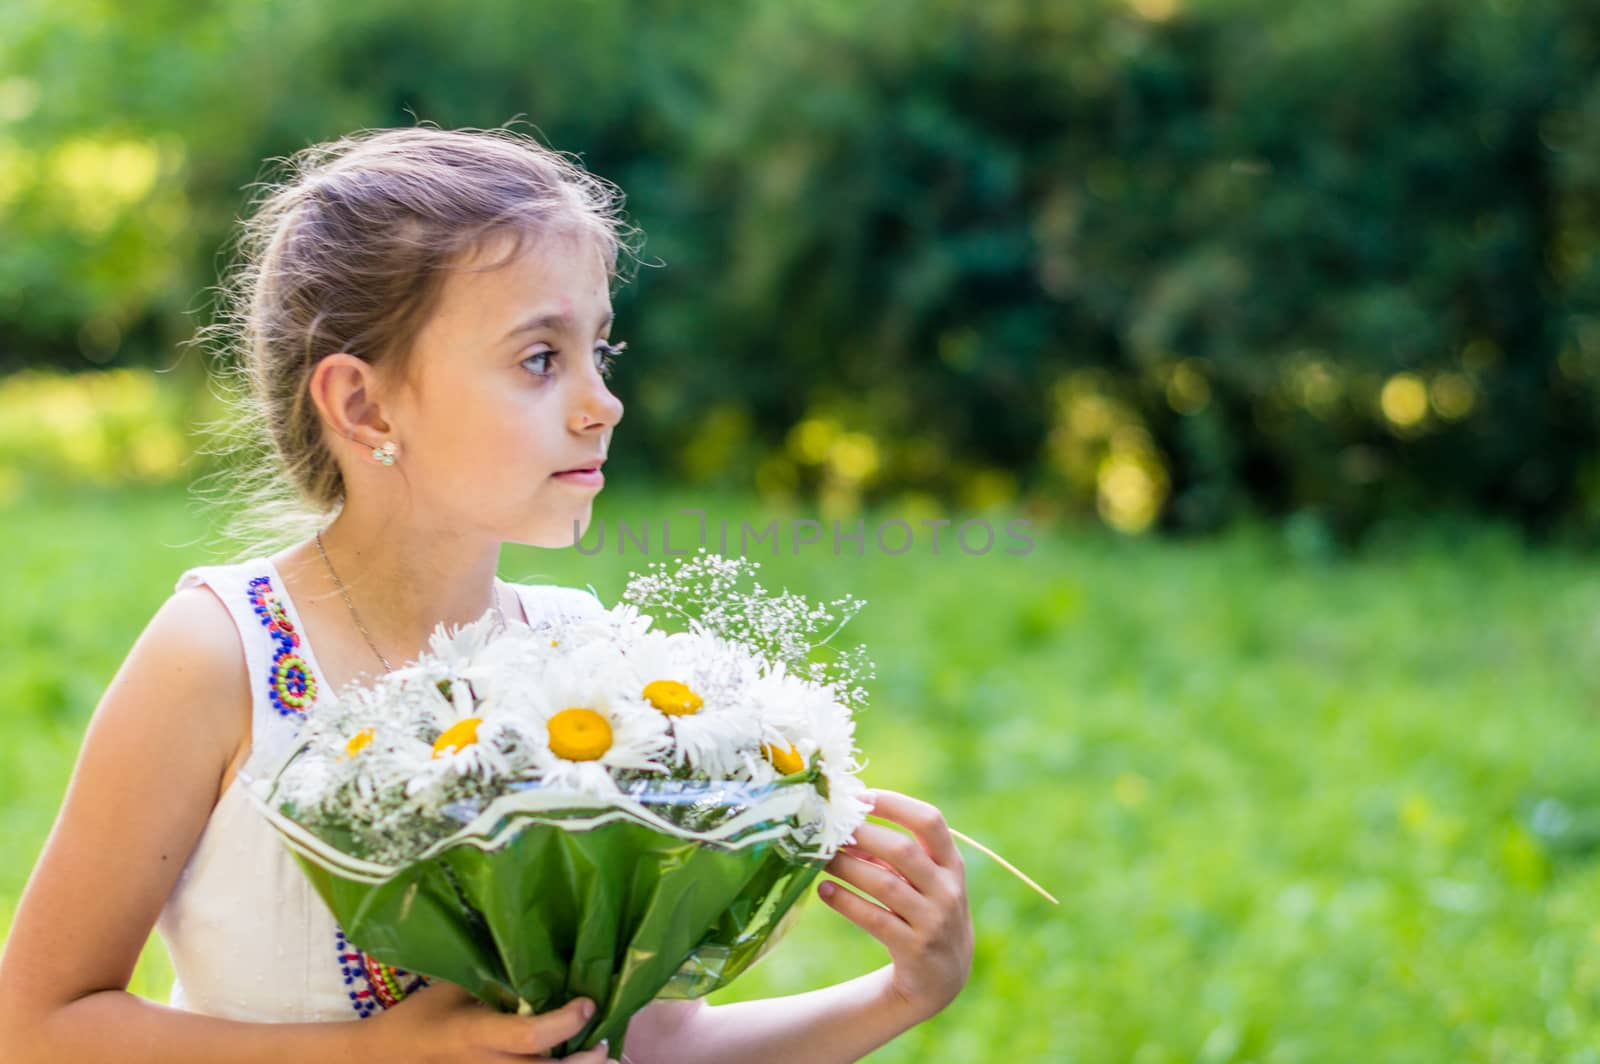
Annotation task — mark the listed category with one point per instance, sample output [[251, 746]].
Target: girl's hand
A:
[[920, 879], [444, 1024]]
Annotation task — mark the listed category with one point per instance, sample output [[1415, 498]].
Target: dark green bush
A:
[[1174, 262]]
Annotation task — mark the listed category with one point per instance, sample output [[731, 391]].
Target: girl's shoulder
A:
[[184, 679], [193, 642], [205, 613]]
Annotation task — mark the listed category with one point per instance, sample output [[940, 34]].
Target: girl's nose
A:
[[595, 406]]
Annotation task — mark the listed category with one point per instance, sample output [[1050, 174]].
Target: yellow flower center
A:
[[579, 735], [460, 735], [673, 698], [786, 760], [358, 742]]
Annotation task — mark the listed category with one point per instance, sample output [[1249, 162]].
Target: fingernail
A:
[[586, 1010], [826, 890]]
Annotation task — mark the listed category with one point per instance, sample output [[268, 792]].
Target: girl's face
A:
[[506, 390]]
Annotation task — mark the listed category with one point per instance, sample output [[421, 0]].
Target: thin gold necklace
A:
[[344, 593], [355, 616]]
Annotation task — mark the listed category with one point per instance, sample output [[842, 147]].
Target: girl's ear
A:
[[346, 391]]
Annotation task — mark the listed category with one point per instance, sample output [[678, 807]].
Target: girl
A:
[[424, 326]]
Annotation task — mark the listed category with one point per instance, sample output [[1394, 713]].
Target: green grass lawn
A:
[[1294, 811]]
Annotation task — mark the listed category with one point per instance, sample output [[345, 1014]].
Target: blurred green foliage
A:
[[1172, 262], [112, 427], [1294, 812]]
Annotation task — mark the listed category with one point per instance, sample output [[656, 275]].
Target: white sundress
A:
[[248, 936]]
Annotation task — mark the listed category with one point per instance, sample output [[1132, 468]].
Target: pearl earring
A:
[[386, 453]]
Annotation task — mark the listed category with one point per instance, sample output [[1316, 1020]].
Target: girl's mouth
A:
[[586, 476]]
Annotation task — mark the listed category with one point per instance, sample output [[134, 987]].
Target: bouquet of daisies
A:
[[607, 807]]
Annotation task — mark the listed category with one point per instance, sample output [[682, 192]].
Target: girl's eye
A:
[[544, 371], [605, 354]]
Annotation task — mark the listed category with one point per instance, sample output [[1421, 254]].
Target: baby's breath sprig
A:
[[703, 592]]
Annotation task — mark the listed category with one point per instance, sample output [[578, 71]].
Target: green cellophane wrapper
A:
[[559, 906]]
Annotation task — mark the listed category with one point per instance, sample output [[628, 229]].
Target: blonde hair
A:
[[348, 250]]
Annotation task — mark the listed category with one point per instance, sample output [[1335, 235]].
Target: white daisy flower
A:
[[491, 747], [450, 732], [593, 724], [626, 623], [807, 726], [501, 670], [703, 686], [457, 649]]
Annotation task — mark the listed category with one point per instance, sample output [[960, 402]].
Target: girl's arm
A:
[[144, 786], [146, 781], [920, 880]]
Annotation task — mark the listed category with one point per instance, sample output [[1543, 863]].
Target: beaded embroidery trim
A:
[[290, 684], [380, 986], [293, 689]]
